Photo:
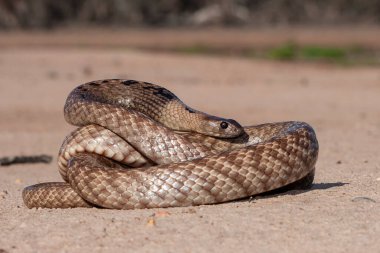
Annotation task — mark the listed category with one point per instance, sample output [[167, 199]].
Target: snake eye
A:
[[223, 125]]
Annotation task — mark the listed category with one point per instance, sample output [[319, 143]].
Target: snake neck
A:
[[153, 140]]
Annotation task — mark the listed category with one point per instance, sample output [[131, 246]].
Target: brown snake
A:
[[139, 146]]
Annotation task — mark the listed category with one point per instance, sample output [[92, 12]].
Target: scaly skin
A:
[[130, 121]]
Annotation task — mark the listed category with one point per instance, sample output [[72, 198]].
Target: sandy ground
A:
[[341, 213]]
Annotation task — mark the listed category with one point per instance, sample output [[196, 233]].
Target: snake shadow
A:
[[289, 190], [301, 186]]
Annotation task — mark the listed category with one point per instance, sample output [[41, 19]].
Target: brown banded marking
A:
[[186, 169]]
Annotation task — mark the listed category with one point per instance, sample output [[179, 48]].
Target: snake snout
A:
[[233, 128]]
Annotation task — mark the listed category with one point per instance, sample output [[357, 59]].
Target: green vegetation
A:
[[196, 49], [314, 52], [284, 52], [290, 51]]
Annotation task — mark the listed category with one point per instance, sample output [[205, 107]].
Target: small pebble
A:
[[151, 222], [3, 194]]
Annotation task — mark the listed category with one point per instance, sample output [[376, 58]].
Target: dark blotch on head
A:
[[105, 81], [94, 84], [223, 125], [129, 82], [164, 93], [159, 91]]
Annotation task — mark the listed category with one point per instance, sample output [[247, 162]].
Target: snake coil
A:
[[139, 146]]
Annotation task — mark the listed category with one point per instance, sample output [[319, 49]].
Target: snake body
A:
[[140, 146]]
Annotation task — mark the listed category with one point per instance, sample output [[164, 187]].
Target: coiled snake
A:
[[139, 146]]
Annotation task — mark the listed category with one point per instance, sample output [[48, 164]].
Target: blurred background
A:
[[34, 14], [343, 31]]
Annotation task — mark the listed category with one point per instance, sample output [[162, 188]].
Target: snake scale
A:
[[139, 146]]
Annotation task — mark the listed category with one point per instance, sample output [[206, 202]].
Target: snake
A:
[[138, 146]]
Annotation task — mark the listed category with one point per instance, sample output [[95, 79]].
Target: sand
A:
[[341, 213]]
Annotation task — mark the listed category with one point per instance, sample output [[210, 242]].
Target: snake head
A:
[[219, 127]]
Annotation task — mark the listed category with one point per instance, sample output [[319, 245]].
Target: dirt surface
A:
[[341, 213]]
